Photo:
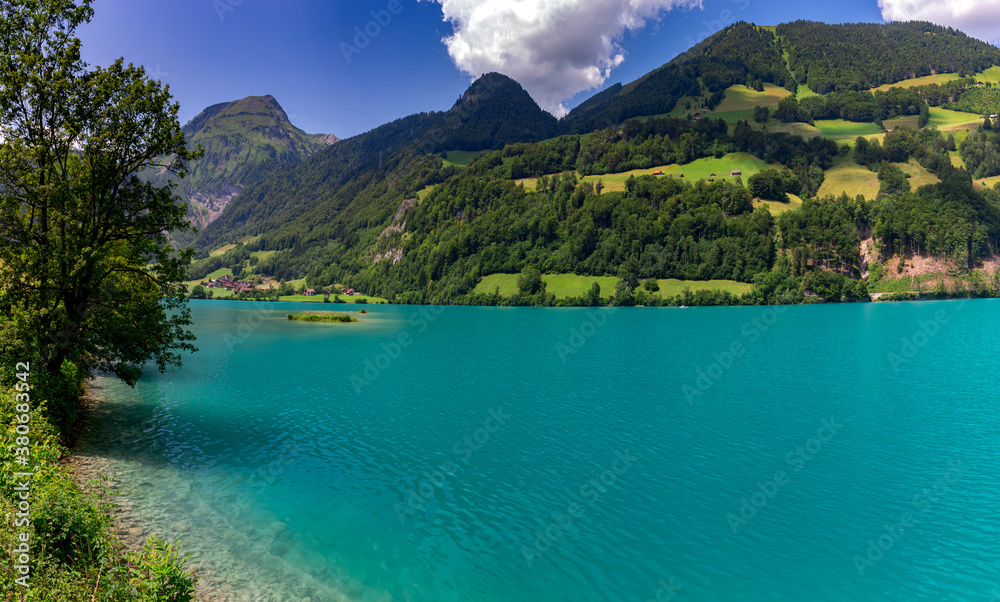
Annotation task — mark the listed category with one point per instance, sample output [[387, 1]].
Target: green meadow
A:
[[844, 131], [947, 120], [796, 129], [738, 104], [986, 183], [991, 75], [732, 117], [696, 170], [262, 255], [960, 137], [927, 80], [222, 250], [422, 194], [910, 121], [919, 176], [672, 287], [804, 91], [507, 283], [573, 285], [848, 177], [775, 207], [741, 98]]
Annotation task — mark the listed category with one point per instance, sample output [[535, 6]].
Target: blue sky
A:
[[212, 51]]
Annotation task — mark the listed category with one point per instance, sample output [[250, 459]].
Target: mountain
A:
[[373, 170], [383, 213], [859, 56], [739, 54], [825, 57], [496, 111], [242, 140]]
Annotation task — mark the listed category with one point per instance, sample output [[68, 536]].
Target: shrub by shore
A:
[[73, 552]]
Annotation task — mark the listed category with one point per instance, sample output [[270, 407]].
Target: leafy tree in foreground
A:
[[86, 269]]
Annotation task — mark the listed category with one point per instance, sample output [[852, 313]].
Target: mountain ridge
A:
[[240, 139]]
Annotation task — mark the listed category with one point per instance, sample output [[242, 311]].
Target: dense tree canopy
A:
[[860, 56], [738, 54], [86, 270]]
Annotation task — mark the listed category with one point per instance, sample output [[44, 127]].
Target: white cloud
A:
[[978, 18], [554, 48]]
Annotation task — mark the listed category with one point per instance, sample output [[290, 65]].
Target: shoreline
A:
[[87, 463], [225, 566], [876, 297]]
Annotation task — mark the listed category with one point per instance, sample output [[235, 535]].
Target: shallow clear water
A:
[[570, 454]]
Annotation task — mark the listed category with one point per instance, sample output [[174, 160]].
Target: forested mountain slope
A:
[[383, 213], [826, 57], [739, 54], [360, 181], [860, 56]]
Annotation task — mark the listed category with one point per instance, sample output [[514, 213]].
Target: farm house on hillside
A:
[[736, 172]]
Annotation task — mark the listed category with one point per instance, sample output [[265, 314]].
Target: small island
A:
[[324, 317]]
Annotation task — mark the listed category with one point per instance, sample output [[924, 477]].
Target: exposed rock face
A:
[[206, 208], [392, 235], [326, 138]]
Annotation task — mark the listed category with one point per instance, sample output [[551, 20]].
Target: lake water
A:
[[838, 452]]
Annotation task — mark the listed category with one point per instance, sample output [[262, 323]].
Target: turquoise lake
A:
[[833, 452]]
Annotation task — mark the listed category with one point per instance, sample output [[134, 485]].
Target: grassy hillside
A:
[[776, 207], [937, 78], [847, 177], [841, 131], [701, 169], [947, 120], [805, 57]]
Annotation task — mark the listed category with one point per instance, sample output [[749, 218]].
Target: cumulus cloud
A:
[[554, 48], [978, 18]]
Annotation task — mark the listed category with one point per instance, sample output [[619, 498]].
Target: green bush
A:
[[74, 554], [157, 573]]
